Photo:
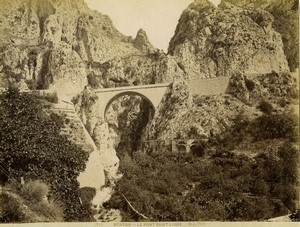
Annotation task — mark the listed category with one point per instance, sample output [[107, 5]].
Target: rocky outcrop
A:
[[47, 45], [200, 117], [286, 22], [206, 116], [152, 68], [142, 43], [66, 72], [277, 88], [214, 41]]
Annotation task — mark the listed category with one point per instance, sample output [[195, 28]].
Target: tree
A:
[[32, 147]]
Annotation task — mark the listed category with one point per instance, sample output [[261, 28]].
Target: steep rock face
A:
[[150, 68], [66, 72], [199, 116], [98, 40], [286, 22], [211, 41], [47, 44], [206, 116]]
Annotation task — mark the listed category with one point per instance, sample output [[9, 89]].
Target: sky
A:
[[157, 17]]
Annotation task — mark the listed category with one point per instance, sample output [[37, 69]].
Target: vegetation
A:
[[250, 85], [222, 186], [33, 148], [93, 81], [266, 107], [274, 126], [29, 203]]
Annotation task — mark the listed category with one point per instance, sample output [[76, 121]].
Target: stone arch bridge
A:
[[152, 92]]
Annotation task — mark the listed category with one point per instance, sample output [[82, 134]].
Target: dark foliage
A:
[[270, 126], [182, 187], [266, 107], [213, 182], [33, 148], [93, 81], [10, 210], [250, 85]]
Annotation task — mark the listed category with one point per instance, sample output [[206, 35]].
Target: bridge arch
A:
[[153, 93], [118, 95]]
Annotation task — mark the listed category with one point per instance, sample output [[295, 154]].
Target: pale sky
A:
[[157, 17]]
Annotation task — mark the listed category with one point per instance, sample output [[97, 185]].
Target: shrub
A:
[[18, 77], [10, 209], [30, 203], [48, 211], [75, 99], [34, 191], [282, 102], [87, 194], [31, 84], [273, 126], [266, 107], [51, 98], [198, 100], [250, 85], [92, 80]]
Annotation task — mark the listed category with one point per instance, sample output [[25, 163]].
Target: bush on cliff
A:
[[270, 126], [29, 203], [33, 148], [266, 107]]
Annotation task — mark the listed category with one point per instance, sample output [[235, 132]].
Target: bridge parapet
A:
[[151, 92], [130, 88]]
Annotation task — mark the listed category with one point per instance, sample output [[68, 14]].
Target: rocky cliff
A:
[[47, 44], [229, 41], [286, 22], [142, 43], [63, 44], [214, 41], [150, 68]]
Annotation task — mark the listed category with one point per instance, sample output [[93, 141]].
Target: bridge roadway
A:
[[139, 87]]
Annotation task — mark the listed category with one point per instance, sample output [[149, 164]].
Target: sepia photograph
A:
[[149, 112]]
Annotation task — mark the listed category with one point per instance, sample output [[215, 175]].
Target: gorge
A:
[[204, 132]]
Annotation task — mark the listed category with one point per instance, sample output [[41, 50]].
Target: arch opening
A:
[[128, 113], [129, 93]]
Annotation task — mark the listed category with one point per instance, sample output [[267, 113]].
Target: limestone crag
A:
[[277, 88], [142, 43], [200, 117], [66, 73], [214, 41], [105, 138], [150, 68], [206, 116], [48, 43], [286, 22]]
